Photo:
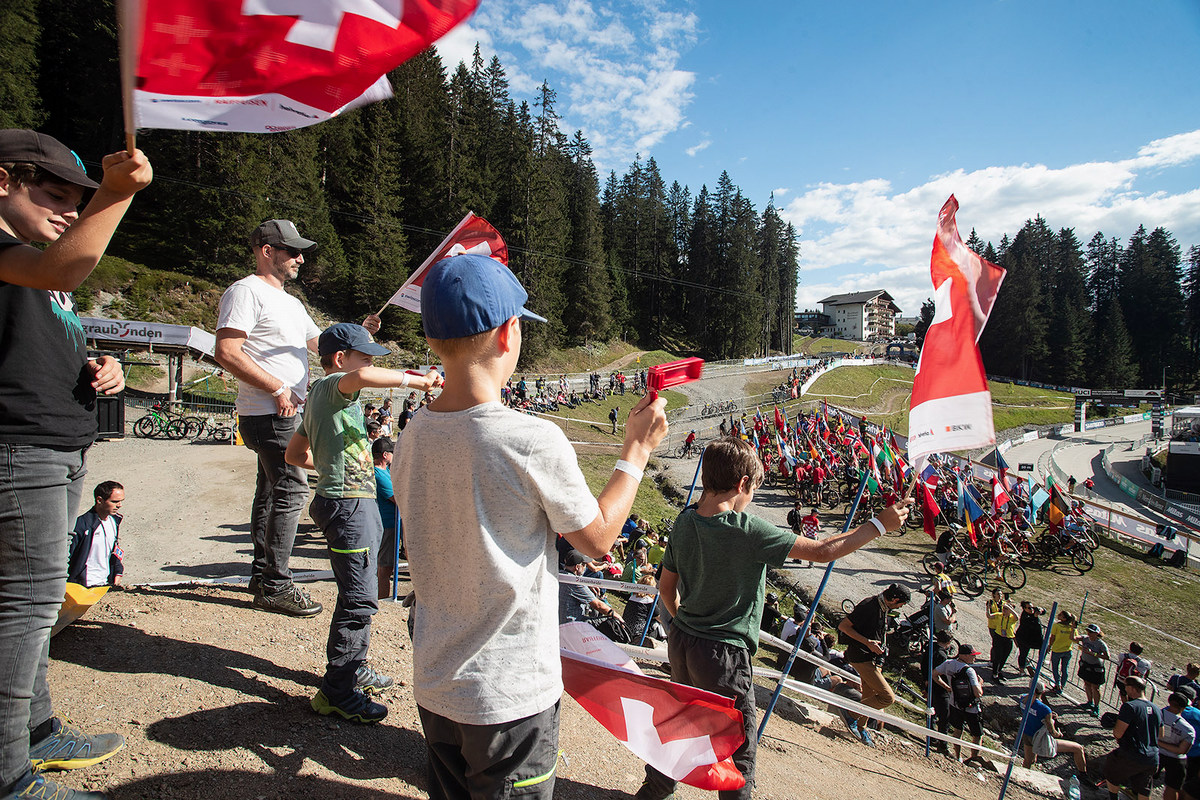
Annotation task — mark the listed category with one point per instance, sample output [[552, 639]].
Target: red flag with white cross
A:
[[262, 66], [685, 733]]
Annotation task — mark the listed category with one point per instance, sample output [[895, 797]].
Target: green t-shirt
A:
[[333, 423], [722, 566]]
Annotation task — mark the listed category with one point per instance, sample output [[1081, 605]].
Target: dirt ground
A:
[[212, 695]]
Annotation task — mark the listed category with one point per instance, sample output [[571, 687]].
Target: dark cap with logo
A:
[[280, 233], [18, 145], [348, 336]]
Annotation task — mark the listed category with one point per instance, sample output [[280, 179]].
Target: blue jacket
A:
[[81, 545]]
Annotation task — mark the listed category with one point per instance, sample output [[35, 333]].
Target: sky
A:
[[862, 118]]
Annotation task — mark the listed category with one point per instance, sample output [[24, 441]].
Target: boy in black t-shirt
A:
[[47, 419]]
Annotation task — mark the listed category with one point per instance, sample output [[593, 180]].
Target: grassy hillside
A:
[[819, 345]]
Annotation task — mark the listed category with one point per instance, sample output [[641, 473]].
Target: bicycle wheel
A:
[[732, 406], [1089, 538], [222, 433], [847, 606], [1013, 576], [176, 429], [928, 561], [971, 583], [146, 427], [680, 451], [195, 426], [1082, 559]]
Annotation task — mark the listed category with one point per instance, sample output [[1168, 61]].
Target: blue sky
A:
[[863, 117]]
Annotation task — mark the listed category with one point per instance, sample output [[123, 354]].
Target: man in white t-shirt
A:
[[94, 557], [263, 338]]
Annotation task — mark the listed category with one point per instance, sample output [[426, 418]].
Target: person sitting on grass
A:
[[713, 582], [1041, 715]]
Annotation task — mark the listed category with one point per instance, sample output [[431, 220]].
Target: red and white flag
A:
[[471, 235], [685, 733], [999, 496], [929, 511], [262, 66], [951, 406]]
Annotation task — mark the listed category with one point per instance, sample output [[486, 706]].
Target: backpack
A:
[[1129, 666], [1156, 551], [1178, 559], [1044, 745], [962, 688]]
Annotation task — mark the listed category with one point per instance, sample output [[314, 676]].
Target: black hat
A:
[[281, 233], [30, 147], [348, 336], [574, 558]]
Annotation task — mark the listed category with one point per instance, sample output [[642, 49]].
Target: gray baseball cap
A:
[[281, 233]]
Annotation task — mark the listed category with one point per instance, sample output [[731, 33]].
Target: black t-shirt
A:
[[1140, 739], [46, 397], [869, 619]]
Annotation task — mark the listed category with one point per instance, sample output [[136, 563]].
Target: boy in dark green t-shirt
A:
[[332, 440], [713, 581]]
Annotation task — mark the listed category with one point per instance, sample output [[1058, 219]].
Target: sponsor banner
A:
[[148, 333], [1005, 446], [1029, 436]]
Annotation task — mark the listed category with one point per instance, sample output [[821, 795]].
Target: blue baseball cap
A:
[[468, 294], [348, 336]]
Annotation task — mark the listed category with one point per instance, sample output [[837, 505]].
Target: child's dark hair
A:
[[104, 490], [726, 462], [23, 173]]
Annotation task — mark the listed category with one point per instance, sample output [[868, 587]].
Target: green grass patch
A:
[[818, 345], [140, 376], [150, 295]]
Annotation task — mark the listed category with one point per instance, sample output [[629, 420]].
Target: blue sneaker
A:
[[355, 708], [866, 737], [71, 748], [38, 788]]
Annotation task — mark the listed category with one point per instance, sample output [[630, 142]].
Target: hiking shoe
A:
[[356, 708], [648, 792], [71, 748], [42, 789], [368, 681], [254, 586], [866, 737], [292, 601]]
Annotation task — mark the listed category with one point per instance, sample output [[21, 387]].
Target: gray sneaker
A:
[[38, 788], [292, 601], [369, 682]]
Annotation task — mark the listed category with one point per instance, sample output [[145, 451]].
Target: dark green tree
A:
[[20, 32]]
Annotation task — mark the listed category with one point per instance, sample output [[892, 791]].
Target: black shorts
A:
[[967, 721], [1134, 774], [1173, 771], [1091, 673]]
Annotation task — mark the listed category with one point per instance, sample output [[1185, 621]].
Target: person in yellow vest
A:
[[1002, 622], [1062, 639]]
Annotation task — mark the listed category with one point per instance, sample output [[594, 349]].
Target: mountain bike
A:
[[157, 422]]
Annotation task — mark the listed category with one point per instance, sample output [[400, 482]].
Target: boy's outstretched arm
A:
[[646, 427], [382, 378], [68, 261], [892, 518]]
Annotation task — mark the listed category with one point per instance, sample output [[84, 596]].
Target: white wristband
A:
[[878, 525], [279, 391], [628, 469]]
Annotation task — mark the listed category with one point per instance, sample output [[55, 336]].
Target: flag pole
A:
[[1037, 673], [929, 684], [449, 238], [812, 610], [129, 33]]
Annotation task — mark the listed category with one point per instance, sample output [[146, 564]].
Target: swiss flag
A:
[[999, 495], [269, 65], [685, 733], [951, 406], [471, 235]]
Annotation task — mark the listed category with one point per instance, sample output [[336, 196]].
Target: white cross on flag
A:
[[685, 733], [263, 66]]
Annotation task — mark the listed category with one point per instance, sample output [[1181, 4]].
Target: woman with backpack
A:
[[1130, 664]]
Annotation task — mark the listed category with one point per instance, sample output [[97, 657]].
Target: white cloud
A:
[[866, 235], [781, 191], [691, 151], [615, 65]]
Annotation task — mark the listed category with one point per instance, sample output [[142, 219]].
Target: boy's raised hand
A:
[[647, 424], [126, 174], [893, 517]]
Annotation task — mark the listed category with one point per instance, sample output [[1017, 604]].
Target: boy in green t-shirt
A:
[[713, 582], [332, 440]]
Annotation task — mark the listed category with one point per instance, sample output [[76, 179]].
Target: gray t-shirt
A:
[[1092, 651], [482, 493]]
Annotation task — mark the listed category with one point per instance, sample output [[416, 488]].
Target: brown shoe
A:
[[292, 601]]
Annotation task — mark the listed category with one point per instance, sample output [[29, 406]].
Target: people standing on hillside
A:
[[264, 336], [1135, 760], [1030, 634], [1005, 618], [1062, 640], [960, 680], [1093, 652], [48, 389], [866, 628], [1131, 663]]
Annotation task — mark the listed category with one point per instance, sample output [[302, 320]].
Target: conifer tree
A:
[[20, 32]]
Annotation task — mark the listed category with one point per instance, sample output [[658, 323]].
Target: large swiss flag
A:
[[951, 405], [683, 732], [271, 65]]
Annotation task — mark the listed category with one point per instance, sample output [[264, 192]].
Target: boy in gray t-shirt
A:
[[483, 490]]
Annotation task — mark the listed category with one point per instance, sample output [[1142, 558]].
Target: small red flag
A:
[[471, 235], [929, 511]]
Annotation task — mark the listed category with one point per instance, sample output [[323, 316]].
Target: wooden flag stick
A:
[[129, 35]]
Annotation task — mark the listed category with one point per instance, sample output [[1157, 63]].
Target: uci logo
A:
[[78, 160]]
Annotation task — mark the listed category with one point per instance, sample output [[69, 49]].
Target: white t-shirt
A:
[[1177, 729], [277, 331], [100, 554], [482, 493]]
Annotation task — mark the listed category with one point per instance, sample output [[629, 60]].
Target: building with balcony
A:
[[862, 316]]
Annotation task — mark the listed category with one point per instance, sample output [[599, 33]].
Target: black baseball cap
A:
[[21, 145], [348, 336], [281, 233], [574, 558]]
